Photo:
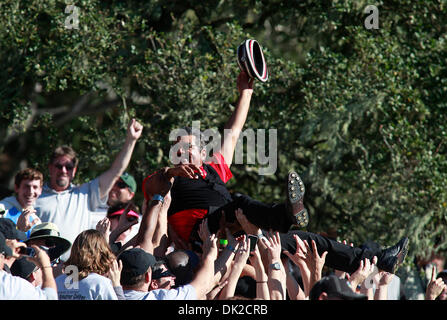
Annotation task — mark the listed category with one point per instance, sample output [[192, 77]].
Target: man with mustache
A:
[[70, 206]]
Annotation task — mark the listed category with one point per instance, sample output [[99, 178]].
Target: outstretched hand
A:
[[244, 82], [23, 223], [134, 130], [435, 287]]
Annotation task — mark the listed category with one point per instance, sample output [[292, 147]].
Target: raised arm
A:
[[236, 122], [108, 178], [240, 261], [276, 272], [435, 287], [145, 236], [299, 258], [203, 281]]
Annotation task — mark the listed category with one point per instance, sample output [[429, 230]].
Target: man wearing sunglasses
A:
[[70, 206], [162, 277]]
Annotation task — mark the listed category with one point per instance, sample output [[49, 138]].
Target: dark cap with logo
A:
[[136, 261]]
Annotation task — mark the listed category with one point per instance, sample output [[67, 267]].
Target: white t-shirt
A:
[[92, 287], [70, 209], [16, 288], [186, 292]]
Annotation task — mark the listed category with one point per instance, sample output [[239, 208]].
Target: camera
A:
[[30, 252], [27, 251], [253, 242]]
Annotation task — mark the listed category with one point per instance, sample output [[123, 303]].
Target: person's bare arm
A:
[[160, 241], [299, 258], [237, 120], [239, 262], [203, 281], [276, 278], [294, 290], [42, 260], [262, 289], [385, 279], [108, 178]]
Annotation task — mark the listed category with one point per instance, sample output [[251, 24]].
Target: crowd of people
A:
[[190, 239]]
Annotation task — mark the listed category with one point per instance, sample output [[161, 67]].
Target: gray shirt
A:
[[70, 209]]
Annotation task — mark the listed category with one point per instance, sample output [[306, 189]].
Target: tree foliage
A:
[[360, 113]]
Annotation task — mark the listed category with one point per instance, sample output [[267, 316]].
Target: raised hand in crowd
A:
[[262, 289], [276, 271], [435, 286], [299, 258], [23, 221], [161, 236], [204, 280], [103, 226], [240, 260], [134, 130], [314, 262], [114, 273], [222, 265], [294, 290], [365, 269], [382, 279]]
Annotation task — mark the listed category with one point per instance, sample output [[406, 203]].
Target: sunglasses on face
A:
[[121, 184], [163, 274], [59, 166]]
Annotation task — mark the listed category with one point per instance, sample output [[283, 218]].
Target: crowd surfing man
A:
[[199, 191], [199, 188]]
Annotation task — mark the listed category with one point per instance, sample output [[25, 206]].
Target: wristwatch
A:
[[260, 236], [275, 266], [158, 197]]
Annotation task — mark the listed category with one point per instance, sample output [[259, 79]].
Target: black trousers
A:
[[275, 217], [266, 216], [340, 256]]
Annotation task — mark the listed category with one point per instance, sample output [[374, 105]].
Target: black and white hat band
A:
[[251, 60]]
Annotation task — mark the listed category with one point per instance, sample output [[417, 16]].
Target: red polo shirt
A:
[[183, 221]]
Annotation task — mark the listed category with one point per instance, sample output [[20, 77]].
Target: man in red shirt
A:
[[199, 187], [198, 191]]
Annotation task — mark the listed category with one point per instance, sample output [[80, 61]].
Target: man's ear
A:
[[203, 154], [154, 284], [148, 276]]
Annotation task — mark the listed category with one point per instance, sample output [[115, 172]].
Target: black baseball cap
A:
[[334, 287], [7, 251], [136, 261], [23, 268], [10, 231]]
